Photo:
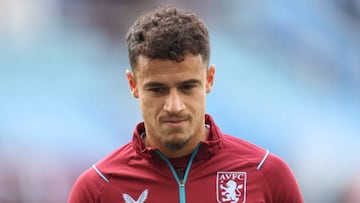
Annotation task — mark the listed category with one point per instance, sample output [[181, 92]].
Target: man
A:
[[178, 154]]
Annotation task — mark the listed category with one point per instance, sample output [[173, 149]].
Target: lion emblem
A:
[[231, 192]]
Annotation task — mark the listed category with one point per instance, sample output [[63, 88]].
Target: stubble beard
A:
[[175, 145]]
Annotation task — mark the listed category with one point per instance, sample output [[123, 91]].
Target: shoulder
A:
[[277, 174], [86, 188], [281, 180], [119, 157], [233, 142], [90, 183], [244, 150]]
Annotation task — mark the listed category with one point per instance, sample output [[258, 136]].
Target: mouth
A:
[[174, 122]]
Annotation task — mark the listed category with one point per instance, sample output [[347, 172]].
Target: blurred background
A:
[[287, 79]]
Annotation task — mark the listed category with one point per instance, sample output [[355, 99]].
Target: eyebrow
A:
[[190, 82], [153, 84], [156, 84]]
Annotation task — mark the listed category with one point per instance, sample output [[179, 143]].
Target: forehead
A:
[[192, 65]]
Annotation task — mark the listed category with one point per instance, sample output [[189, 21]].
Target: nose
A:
[[174, 103]]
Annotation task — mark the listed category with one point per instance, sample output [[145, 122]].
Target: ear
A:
[[210, 78], [132, 84]]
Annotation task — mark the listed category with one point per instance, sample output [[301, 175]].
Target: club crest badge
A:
[[231, 187]]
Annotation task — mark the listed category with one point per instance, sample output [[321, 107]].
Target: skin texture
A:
[[172, 98]]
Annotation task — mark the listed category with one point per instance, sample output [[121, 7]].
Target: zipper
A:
[[181, 182]]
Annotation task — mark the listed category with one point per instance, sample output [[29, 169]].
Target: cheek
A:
[[197, 104], [150, 106]]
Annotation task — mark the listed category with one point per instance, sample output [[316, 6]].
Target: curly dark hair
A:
[[168, 33]]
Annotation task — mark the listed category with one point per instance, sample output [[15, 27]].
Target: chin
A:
[[176, 144]]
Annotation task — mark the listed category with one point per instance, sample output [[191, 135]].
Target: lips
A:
[[174, 121]]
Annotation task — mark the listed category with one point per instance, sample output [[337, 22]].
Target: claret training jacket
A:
[[222, 169]]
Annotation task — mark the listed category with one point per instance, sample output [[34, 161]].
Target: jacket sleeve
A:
[[281, 180], [86, 188]]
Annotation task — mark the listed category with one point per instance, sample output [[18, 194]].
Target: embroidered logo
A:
[[142, 198], [231, 187]]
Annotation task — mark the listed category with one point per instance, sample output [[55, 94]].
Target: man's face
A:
[[172, 101]]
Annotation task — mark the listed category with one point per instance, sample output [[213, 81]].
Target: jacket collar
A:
[[208, 148]]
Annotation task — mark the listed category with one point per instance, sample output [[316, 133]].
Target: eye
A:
[[157, 89], [187, 87]]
